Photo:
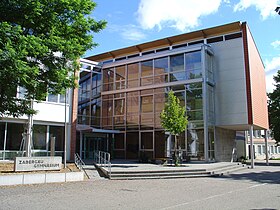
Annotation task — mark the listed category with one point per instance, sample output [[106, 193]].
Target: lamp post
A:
[[65, 129]]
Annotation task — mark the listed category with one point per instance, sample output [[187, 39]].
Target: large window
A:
[[147, 73], [146, 104], [146, 140], [193, 65], [177, 69], [2, 135], [133, 75], [120, 77], [58, 133], [14, 136], [177, 63], [39, 137], [132, 118], [108, 79], [107, 111]]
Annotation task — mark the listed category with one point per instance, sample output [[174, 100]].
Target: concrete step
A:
[[91, 172], [228, 169], [160, 174], [173, 176], [158, 171], [170, 173]]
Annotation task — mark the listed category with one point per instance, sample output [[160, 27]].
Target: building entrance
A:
[[93, 142]]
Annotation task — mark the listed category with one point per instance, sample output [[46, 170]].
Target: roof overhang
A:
[[168, 41], [89, 129]]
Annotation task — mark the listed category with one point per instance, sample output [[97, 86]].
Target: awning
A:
[[87, 128]]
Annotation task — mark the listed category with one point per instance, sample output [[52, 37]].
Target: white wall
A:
[[230, 89], [51, 112]]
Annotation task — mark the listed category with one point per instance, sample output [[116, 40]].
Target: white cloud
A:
[[265, 7], [181, 14], [276, 44], [271, 68], [132, 33], [128, 32]]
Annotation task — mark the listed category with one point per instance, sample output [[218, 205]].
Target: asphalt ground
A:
[[257, 188]]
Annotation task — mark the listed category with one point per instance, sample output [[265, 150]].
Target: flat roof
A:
[[168, 41]]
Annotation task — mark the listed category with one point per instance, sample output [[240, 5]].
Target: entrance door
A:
[[92, 144], [132, 145]]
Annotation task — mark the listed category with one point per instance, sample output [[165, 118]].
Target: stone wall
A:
[[224, 143]]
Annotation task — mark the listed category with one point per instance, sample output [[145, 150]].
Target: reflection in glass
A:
[[193, 60], [120, 73], [177, 62], [133, 83], [2, 135], [39, 137], [58, 133], [14, 136], [119, 141], [146, 140], [147, 68], [160, 79], [146, 104], [147, 81], [132, 145], [133, 71], [119, 107], [133, 105], [178, 76], [161, 66]]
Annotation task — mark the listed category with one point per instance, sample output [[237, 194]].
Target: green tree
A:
[[40, 44], [274, 108], [173, 119]]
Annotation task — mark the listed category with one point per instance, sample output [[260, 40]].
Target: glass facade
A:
[[11, 139], [133, 96]]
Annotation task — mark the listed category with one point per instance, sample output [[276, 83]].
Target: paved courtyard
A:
[[257, 188]]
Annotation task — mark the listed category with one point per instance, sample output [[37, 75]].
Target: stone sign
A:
[[37, 163]]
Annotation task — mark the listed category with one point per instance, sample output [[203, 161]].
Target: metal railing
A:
[[80, 164], [103, 159]]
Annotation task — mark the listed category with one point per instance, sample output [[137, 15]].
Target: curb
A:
[[40, 178]]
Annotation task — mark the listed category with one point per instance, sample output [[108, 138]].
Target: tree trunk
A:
[[176, 151], [28, 141]]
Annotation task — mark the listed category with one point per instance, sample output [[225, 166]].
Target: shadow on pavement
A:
[[271, 177]]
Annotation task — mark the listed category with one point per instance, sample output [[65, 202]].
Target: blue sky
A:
[[132, 22]]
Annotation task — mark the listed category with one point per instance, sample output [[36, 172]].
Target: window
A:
[[194, 99], [233, 36], [146, 140], [196, 42], [161, 66], [2, 135], [119, 107], [14, 136], [259, 149], [120, 73], [178, 76], [147, 68], [39, 137], [21, 92], [52, 98], [133, 75], [119, 141], [108, 79], [193, 60], [146, 104], [177, 63], [215, 39], [58, 133], [133, 71]]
